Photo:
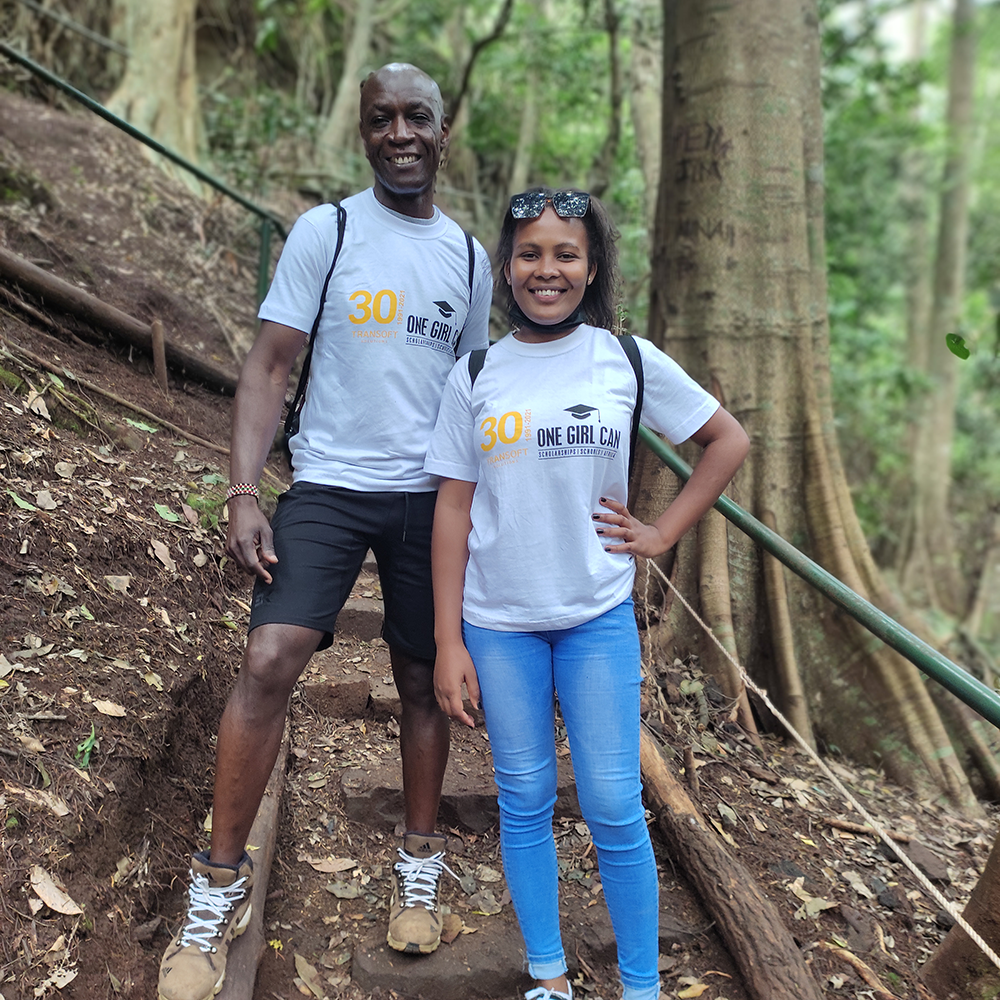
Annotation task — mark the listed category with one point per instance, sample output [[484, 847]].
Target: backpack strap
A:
[[477, 359], [471, 247], [631, 349], [292, 419]]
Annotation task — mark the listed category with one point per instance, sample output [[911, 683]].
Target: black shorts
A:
[[321, 537]]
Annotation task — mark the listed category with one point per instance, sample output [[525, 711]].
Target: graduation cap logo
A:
[[582, 411], [445, 308]]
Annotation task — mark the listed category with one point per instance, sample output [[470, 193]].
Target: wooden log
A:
[[159, 355], [769, 962], [248, 949], [61, 295]]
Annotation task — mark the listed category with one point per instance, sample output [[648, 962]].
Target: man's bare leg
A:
[[251, 729], [424, 740]]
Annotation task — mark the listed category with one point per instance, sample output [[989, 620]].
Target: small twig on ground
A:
[[848, 827], [861, 968]]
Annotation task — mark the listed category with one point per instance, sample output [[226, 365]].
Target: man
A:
[[404, 298]]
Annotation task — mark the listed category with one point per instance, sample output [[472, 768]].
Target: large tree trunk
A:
[[739, 298], [159, 91], [959, 969], [929, 564]]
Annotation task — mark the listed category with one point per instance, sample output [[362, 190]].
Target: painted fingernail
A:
[[596, 517], [604, 499], [600, 531]]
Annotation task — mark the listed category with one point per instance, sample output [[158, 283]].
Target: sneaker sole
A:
[[238, 929], [410, 947]]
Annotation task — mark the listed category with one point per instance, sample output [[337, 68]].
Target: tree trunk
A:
[[159, 91], [338, 141], [739, 298], [645, 82], [930, 564], [959, 969], [600, 171], [520, 170]]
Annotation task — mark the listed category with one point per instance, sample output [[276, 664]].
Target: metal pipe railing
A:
[[959, 682], [268, 219]]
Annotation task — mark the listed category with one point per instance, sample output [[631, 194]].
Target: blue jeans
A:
[[594, 670]]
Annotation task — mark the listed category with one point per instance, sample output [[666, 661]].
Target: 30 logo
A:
[[381, 306]]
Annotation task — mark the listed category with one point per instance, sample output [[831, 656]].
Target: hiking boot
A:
[[414, 921], [542, 993], [194, 964]]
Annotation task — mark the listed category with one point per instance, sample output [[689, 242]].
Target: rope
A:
[[944, 903]]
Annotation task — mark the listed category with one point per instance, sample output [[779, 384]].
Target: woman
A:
[[533, 563]]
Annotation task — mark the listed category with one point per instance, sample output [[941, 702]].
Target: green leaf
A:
[[165, 512], [84, 749], [23, 504], [56, 380], [956, 345], [141, 426], [85, 613], [214, 479]]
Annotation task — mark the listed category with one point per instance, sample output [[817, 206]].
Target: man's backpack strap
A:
[[292, 419], [471, 247], [631, 349]]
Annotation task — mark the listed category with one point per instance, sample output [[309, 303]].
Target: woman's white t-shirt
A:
[[544, 434]]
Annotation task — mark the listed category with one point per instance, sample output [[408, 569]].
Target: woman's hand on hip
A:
[[624, 533]]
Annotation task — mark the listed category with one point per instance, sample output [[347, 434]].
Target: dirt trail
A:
[[121, 624]]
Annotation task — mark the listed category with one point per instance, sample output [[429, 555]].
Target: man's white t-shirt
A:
[[544, 434], [398, 312]]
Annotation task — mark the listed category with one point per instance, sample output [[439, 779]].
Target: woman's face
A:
[[548, 271]]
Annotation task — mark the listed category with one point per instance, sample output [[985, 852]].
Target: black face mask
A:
[[521, 322]]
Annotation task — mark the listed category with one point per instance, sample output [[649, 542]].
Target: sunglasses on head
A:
[[567, 204]]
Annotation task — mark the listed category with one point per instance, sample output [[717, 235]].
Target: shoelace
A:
[[420, 878], [543, 993], [207, 908]]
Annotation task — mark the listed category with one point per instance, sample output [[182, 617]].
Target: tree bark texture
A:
[[959, 969], [645, 84], [159, 91], [739, 299], [61, 295], [930, 563], [771, 965]]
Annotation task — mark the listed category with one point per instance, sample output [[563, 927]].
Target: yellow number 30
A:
[[382, 306], [494, 429]]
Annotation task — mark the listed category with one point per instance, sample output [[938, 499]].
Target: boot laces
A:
[[420, 878], [208, 908]]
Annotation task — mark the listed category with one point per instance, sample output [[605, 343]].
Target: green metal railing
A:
[[959, 682], [268, 220]]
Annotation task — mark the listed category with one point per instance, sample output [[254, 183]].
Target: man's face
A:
[[404, 134]]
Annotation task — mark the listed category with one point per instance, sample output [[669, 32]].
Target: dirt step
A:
[[488, 962]]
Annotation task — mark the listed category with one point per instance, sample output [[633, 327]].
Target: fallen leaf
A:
[[32, 744], [65, 469], [39, 797], [486, 874], [309, 974], [23, 504], [200, 559], [109, 708], [36, 404], [153, 679], [52, 895], [119, 584], [44, 500], [191, 514], [854, 880], [693, 991], [329, 865], [451, 927], [343, 890], [165, 512], [485, 903], [162, 552]]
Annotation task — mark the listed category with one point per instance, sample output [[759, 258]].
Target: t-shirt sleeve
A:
[[452, 451], [476, 333], [673, 403], [293, 298]]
